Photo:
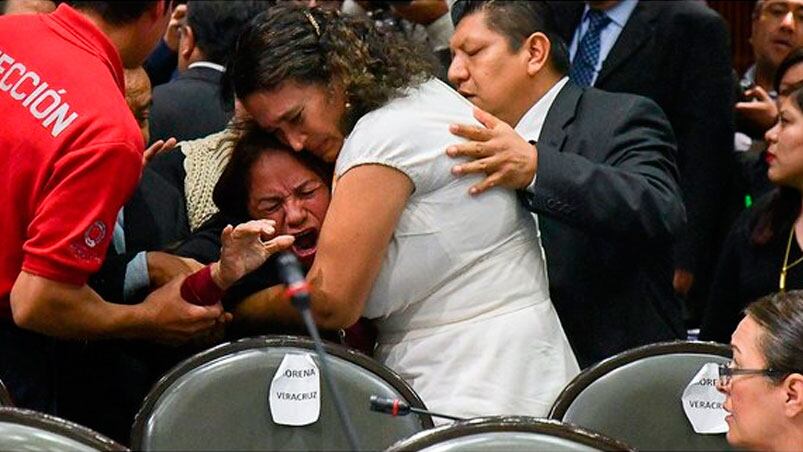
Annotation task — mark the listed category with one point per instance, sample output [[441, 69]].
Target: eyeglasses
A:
[[779, 10], [727, 371]]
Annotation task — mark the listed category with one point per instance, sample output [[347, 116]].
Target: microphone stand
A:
[[300, 299]]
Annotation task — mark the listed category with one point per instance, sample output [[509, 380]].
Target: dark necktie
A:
[[585, 60]]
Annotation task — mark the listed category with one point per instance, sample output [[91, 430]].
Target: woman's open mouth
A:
[[306, 243]]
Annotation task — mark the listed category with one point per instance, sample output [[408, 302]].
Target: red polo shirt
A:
[[70, 150]]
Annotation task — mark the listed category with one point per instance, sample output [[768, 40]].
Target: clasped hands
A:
[[506, 158]]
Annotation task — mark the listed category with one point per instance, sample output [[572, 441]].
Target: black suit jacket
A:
[[189, 107], [609, 206], [118, 373], [154, 218], [677, 53]]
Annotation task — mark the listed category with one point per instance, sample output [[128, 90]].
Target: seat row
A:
[[218, 400]]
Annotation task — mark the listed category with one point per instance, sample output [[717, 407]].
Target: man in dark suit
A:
[[153, 218], [677, 54], [118, 373], [94, 376], [191, 106], [602, 175]]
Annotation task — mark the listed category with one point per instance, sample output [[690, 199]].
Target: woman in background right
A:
[[762, 253], [763, 384]]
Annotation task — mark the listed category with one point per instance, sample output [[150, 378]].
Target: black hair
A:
[[217, 24], [777, 216], [231, 192], [782, 209], [780, 316], [313, 46], [117, 13], [516, 21], [793, 58]]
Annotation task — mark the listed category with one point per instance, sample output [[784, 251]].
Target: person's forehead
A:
[[284, 166], [142, 91], [137, 80], [746, 337], [272, 105], [784, 2], [475, 26], [792, 4], [793, 75], [139, 98]]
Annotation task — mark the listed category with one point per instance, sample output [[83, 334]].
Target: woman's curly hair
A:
[[314, 46]]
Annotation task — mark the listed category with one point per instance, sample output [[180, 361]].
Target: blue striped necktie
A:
[[585, 60]]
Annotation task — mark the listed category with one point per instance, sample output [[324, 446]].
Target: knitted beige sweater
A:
[[204, 161]]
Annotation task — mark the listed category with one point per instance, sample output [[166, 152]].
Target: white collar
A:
[[208, 64], [529, 126]]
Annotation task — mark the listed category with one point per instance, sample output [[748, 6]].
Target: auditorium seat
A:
[[27, 430], [508, 433], [218, 400], [636, 396]]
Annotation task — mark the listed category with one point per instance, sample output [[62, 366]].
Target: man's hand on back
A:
[[506, 158]]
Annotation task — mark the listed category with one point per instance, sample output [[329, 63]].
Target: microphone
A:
[[293, 277], [396, 407]]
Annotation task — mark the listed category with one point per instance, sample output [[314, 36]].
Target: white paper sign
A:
[[295, 392], [702, 402]]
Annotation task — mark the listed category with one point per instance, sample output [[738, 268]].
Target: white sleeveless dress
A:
[[461, 302]]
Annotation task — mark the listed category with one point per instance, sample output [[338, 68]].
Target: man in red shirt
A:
[[71, 154]]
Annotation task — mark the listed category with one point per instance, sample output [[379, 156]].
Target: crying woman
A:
[[264, 179]]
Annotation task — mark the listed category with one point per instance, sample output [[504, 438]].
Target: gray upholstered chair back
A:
[[5, 396], [218, 400], [508, 433], [27, 430], [636, 396]]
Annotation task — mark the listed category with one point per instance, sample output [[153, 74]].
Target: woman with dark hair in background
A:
[[764, 382], [456, 286], [762, 253]]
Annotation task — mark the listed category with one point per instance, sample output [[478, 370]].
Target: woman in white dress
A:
[[456, 285]]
